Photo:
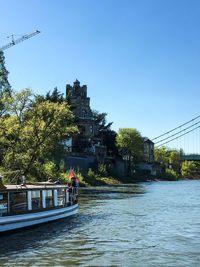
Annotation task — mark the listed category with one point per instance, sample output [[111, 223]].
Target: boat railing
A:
[[29, 199]]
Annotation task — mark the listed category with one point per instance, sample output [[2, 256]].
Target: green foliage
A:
[[131, 147], [91, 174], [4, 84], [161, 155], [109, 140], [169, 157], [5, 88], [100, 119], [130, 144], [102, 170], [80, 176], [171, 175], [190, 169], [55, 96], [105, 133], [50, 169], [31, 130], [64, 176], [62, 166]]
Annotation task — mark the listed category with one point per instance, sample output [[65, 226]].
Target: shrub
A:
[[91, 173], [170, 175], [102, 170]]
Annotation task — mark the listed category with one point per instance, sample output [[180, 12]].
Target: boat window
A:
[[18, 202], [49, 198], [36, 199], [3, 203], [61, 197]]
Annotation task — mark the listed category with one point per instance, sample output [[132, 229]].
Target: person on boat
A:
[[73, 189], [74, 178]]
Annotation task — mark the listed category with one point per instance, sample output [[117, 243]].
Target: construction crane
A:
[[19, 40]]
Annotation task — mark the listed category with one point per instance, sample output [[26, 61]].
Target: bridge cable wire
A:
[[176, 128], [177, 133], [178, 137]]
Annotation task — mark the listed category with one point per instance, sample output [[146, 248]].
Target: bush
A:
[[189, 169], [170, 175], [79, 175], [102, 170], [91, 174], [64, 175]]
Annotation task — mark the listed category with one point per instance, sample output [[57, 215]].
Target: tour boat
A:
[[26, 205]]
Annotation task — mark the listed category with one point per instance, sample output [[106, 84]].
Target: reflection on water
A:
[[152, 224]]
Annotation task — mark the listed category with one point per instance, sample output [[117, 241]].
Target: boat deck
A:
[[32, 186]]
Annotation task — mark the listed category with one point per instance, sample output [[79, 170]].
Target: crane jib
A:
[[19, 40]]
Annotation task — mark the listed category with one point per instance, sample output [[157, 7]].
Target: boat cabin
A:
[[23, 199]]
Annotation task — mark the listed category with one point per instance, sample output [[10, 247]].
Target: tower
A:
[[77, 98]]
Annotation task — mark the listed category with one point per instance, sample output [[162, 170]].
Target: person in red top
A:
[[74, 179], [74, 185]]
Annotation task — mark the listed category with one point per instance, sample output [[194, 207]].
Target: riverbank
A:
[[102, 181], [112, 181]]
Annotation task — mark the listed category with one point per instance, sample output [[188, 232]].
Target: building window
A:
[[3, 203], [61, 197], [36, 200], [18, 202], [49, 199], [91, 129]]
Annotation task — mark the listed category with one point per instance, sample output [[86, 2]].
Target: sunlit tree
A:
[[131, 146], [31, 131]]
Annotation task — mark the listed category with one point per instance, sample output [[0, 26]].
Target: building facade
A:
[[148, 150], [87, 141]]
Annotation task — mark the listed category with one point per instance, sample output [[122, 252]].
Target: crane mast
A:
[[19, 40]]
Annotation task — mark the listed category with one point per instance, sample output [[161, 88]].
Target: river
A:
[[147, 224]]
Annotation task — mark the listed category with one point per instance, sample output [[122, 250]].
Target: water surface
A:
[[149, 224]]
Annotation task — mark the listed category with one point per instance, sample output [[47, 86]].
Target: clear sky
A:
[[140, 58]]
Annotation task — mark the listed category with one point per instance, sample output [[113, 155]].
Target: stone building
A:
[[149, 166], [87, 142], [148, 150]]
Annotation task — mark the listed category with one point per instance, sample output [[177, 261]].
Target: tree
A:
[[107, 135], [100, 119], [161, 155], [109, 140], [55, 96], [32, 130], [4, 83], [5, 88], [131, 146], [170, 158], [175, 160], [190, 169]]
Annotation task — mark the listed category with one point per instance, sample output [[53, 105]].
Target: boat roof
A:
[[36, 186]]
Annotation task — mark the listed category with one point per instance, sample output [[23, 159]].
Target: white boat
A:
[[27, 205]]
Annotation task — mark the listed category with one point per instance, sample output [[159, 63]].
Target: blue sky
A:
[[140, 58]]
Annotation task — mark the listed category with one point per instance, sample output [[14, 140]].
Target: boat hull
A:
[[15, 222]]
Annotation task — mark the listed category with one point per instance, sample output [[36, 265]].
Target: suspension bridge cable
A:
[[178, 136], [175, 128], [177, 133]]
